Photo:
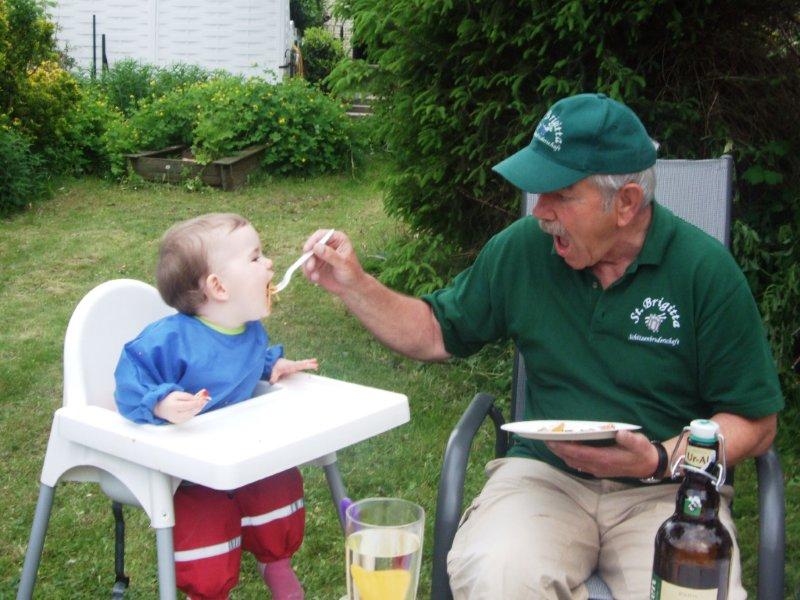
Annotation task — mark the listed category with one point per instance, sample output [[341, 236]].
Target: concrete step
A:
[[359, 110]]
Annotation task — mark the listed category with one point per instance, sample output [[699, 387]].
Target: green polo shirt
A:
[[677, 337]]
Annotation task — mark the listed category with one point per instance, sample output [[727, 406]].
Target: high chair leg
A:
[[335, 483], [36, 542], [121, 580], [166, 564]]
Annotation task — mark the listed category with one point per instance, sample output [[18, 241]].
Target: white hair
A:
[[609, 185]]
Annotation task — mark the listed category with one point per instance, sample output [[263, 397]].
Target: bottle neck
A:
[[698, 497]]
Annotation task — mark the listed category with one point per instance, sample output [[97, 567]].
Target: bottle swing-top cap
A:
[[703, 431]]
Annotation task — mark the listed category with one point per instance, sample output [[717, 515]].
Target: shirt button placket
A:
[[596, 323]]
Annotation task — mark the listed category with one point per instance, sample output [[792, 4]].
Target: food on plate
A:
[[563, 428]]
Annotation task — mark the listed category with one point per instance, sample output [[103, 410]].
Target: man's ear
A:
[[215, 289], [630, 198]]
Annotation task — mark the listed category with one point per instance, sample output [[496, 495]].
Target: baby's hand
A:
[[285, 367], [179, 407]]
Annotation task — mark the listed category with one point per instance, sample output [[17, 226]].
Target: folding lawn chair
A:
[[700, 192]]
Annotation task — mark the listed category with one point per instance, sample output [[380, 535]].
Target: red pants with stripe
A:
[[212, 527]]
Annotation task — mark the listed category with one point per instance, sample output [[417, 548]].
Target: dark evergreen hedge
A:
[[465, 82]]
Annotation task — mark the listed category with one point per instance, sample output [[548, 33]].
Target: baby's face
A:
[[244, 271]]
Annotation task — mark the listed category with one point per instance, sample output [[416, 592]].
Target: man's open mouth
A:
[[561, 244]]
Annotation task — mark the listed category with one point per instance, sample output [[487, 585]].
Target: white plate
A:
[[572, 430]]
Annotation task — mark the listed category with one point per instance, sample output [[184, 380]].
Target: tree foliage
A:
[[464, 83], [26, 41], [36, 98], [307, 13], [321, 53]]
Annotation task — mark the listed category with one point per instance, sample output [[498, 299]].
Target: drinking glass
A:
[[383, 548]]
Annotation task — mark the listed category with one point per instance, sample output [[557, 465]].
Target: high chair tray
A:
[[302, 418]]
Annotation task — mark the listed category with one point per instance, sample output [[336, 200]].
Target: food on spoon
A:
[[271, 291]]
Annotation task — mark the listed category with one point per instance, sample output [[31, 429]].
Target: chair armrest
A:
[[771, 533], [451, 485]]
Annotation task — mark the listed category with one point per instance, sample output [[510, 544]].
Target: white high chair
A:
[[302, 419]]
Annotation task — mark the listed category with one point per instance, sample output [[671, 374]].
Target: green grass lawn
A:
[[93, 231]]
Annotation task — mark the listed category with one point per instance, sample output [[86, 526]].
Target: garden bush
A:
[[461, 85], [22, 180], [129, 81], [36, 94], [159, 122], [125, 84], [90, 120], [61, 120], [321, 52], [305, 131], [43, 107], [417, 263], [26, 40]]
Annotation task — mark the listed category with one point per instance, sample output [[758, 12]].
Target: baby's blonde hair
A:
[[183, 259]]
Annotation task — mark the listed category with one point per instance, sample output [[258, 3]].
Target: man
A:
[[622, 312]]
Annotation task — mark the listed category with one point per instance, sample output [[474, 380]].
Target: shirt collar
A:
[[659, 235], [218, 328]]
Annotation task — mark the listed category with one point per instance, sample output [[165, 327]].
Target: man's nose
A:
[[542, 207]]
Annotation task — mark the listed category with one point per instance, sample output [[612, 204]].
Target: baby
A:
[[211, 354]]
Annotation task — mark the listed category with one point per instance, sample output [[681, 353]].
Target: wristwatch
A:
[[663, 459]]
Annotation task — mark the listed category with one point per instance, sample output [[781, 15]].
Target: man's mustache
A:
[[552, 227]]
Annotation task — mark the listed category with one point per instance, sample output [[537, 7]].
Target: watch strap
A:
[[663, 459]]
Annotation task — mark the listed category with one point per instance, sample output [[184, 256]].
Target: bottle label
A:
[[692, 505], [700, 458], [661, 589]]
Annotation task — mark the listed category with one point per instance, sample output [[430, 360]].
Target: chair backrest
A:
[[698, 191], [105, 319]]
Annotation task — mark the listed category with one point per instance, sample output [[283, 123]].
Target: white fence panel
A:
[[247, 37]]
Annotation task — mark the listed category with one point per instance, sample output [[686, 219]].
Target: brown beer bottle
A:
[[693, 548]]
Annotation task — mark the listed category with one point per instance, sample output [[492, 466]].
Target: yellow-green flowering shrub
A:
[[305, 131]]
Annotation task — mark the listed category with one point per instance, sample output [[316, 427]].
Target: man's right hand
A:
[[179, 407], [334, 266], [405, 324]]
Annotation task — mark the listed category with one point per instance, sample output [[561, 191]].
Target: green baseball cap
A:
[[581, 135]]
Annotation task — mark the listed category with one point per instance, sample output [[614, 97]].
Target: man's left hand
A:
[[632, 456]]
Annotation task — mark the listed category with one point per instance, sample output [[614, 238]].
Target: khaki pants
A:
[[536, 532]]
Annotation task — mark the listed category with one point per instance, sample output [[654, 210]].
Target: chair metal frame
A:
[[685, 195]]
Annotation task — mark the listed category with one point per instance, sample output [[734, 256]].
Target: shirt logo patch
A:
[[654, 321], [549, 131], [656, 318]]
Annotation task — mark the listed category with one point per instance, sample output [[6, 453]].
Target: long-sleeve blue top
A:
[[182, 353]]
